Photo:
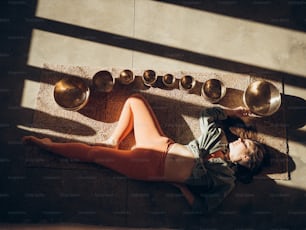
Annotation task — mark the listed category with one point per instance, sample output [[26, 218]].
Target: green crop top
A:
[[214, 177]]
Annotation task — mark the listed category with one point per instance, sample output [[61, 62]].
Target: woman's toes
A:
[[46, 141], [35, 140]]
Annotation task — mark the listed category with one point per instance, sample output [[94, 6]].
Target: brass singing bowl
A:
[[262, 98], [213, 90], [103, 81], [71, 93], [168, 80], [187, 82], [126, 77], [149, 77]]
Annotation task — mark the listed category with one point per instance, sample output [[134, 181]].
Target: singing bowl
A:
[[187, 82], [168, 80], [149, 77], [103, 81], [262, 98], [126, 77], [213, 90], [71, 93]]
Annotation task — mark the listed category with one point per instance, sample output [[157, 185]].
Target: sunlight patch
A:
[[29, 94]]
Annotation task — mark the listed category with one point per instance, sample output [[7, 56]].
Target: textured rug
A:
[[176, 109]]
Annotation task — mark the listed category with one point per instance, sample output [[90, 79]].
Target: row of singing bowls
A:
[[149, 78], [213, 89], [261, 97]]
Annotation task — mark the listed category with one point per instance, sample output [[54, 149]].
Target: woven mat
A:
[[176, 109]]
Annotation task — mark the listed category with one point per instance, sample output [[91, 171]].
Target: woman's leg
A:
[[124, 125], [74, 150], [141, 164], [138, 115], [144, 162]]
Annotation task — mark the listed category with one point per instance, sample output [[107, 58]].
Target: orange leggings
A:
[[145, 161]]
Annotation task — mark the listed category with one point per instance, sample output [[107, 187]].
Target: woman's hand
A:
[[237, 112]]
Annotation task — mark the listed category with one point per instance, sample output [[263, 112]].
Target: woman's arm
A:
[[186, 192], [206, 201], [237, 112]]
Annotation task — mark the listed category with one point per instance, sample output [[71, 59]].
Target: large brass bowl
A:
[[213, 90], [71, 93], [262, 98]]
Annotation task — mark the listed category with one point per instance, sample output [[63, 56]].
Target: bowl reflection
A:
[[262, 98], [71, 93]]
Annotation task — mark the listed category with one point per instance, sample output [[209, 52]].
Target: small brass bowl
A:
[[168, 80], [187, 82], [103, 81], [262, 98], [71, 93], [213, 90], [149, 77], [126, 77]]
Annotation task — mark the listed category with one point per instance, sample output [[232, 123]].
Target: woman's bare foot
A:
[[42, 142]]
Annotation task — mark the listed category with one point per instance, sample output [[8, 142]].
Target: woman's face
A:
[[239, 151]]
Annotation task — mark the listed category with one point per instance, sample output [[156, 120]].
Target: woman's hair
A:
[[258, 157]]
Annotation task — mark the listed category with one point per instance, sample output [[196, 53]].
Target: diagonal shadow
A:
[[162, 50], [285, 14]]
